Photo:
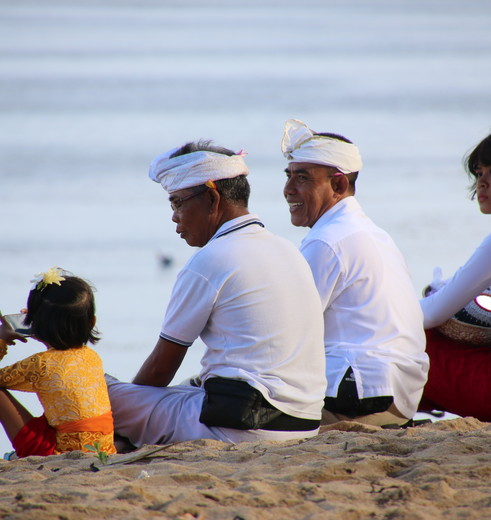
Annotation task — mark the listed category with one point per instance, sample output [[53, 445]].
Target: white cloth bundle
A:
[[193, 169], [299, 144]]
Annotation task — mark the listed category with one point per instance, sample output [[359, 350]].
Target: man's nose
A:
[[289, 186]]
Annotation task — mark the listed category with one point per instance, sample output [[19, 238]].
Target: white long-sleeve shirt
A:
[[467, 283]]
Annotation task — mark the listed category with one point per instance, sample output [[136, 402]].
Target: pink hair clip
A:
[[241, 152]]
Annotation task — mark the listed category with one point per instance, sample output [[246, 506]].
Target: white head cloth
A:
[[195, 168], [299, 144]]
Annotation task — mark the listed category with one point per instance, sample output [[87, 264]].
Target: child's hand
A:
[[8, 334]]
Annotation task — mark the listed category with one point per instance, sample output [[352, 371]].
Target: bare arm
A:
[[161, 365]]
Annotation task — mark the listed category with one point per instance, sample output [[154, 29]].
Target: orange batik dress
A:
[[71, 387]]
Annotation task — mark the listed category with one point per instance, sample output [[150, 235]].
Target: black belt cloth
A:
[[230, 403], [347, 401]]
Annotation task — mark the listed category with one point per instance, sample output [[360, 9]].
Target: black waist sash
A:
[[231, 403]]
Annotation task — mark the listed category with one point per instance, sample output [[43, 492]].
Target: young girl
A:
[[459, 380], [68, 377]]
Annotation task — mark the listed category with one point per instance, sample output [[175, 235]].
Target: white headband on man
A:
[[195, 168], [300, 144]]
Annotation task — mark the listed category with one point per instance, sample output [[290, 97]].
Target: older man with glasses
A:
[[250, 296], [374, 340]]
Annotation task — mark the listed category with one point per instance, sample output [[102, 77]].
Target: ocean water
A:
[[91, 91]]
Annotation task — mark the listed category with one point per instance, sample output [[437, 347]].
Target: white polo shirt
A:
[[372, 318], [251, 298]]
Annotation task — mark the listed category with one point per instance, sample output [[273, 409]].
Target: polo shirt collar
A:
[[237, 223]]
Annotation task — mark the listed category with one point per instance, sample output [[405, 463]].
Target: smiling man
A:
[[374, 341], [250, 296]]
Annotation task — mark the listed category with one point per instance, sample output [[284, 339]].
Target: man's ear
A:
[[214, 199], [340, 184]]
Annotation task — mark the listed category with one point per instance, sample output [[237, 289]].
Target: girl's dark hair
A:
[[480, 155], [62, 316]]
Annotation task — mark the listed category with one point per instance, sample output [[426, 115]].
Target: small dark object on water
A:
[[166, 261]]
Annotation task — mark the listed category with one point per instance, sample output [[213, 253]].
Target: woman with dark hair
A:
[[67, 377], [457, 316]]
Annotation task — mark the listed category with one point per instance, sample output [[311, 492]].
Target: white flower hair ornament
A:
[[52, 275]]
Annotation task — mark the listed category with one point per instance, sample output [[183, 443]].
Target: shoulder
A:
[[239, 247], [342, 235], [30, 362], [482, 253], [479, 263], [83, 352], [345, 218], [87, 353], [315, 245], [486, 243], [200, 264]]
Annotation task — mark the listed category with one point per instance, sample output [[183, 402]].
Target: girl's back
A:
[[68, 377]]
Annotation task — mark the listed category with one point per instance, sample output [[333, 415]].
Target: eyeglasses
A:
[[177, 203]]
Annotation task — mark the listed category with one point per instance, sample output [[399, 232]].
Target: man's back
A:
[[372, 318], [264, 321]]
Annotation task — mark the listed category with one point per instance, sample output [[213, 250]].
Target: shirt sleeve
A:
[[326, 268], [467, 283], [191, 304], [22, 375]]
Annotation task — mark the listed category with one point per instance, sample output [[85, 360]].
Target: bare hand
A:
[[8, 334]]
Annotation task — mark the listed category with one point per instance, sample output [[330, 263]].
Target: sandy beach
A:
[[350, 471]]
